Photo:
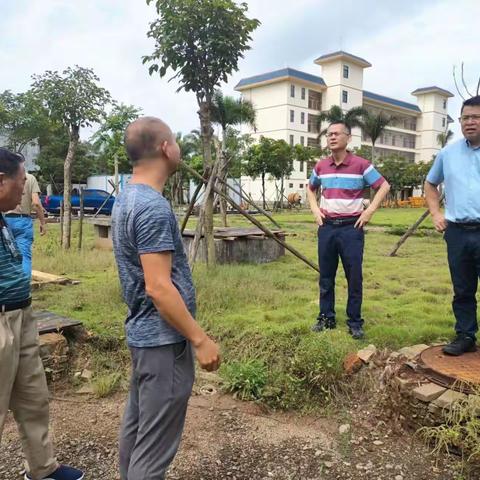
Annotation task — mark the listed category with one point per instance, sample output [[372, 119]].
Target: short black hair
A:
[[471, 102], [142, 138], [10, 162], [340, 122]]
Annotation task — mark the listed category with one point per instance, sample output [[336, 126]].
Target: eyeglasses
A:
[[466, 118], [336, 134], [8, 241]]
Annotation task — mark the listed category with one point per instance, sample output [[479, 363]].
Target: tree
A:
[[109, 138], [282, 157], [400, 173], [202, 42], [228, 112], [352, 118], [444, 138], [23, 119], [73, 99], [373, 126]]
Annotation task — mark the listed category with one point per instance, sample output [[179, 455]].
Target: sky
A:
[[410, 44]]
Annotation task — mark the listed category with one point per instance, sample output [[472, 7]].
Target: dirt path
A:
[[227, 439]]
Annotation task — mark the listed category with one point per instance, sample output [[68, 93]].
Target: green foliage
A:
[[352, 118], [373, 125], [402, 173], [228, 111], [461, 430], [364, 151], [73, 97], [246, 380], [444, 138], [201, 41], [106, 384], [109, 139], [23, 119], [236, 146]]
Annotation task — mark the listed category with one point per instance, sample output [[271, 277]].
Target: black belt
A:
[[466, 225], [17, 215], [341, 221], [9, 307]]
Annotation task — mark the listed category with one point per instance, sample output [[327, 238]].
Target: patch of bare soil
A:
[[228, 439]]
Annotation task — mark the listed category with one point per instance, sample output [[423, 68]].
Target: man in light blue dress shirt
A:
[[457, 166]]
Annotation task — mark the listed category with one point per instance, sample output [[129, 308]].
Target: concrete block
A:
[[413, 351], [367, 353], [448, 398], [428, 392]]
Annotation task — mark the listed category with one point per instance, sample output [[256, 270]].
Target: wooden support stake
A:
[[252, 219], [61, 222], [191, 206], [411, 231], [80, 221]]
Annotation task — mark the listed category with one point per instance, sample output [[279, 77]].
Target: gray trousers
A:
[[162, 381]]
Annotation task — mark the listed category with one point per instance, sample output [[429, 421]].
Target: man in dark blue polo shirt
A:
[[458, 167], [23, 387]]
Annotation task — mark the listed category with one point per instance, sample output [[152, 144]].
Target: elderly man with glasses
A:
[[340, 216], [23, 387], [457, 166]]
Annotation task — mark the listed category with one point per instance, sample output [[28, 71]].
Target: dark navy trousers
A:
[[463, 247], [345, 242]]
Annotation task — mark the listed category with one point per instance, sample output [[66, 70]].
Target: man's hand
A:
[[208, 354], [319, 216], [364, 218], [43, 229], [439, 222]]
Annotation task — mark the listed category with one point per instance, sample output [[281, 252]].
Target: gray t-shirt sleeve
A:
[[153, 230]]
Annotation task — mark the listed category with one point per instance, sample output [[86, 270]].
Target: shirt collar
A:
[[469, 145], [346, 160]]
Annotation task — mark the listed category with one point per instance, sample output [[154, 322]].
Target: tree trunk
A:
[[223, 176], [206, 134], [263, 191], [67, 186], [282, 188], [373, 153]]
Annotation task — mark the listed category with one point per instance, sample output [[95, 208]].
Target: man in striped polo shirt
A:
[[342, 178], [23, 386]]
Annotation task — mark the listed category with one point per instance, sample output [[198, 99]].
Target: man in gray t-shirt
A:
[[158, 289]]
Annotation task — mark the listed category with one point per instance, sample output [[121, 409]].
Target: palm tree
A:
[[227, 112], [352, 118], [373, 126], [444, 138]]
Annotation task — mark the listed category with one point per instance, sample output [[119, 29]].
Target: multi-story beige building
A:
[[288, 102]]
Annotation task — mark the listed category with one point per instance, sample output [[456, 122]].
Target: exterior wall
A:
[[433, 122], [412, 134]]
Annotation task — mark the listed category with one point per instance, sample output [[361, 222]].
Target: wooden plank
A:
[[44, 277], [51, 322]]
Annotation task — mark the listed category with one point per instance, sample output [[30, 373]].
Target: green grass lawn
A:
[[264, 312]]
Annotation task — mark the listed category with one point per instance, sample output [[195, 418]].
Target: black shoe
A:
[[356, 332], [324, 323], [462, 344]]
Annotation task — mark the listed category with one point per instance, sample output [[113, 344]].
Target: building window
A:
[[292, 91], [302, 168], [302, 141], [301, 185], [345, 96], [302, 118], [346, 71], [292, 116], [443, 122], [290, 185], [303, 93], [444, 104], [291, 140]]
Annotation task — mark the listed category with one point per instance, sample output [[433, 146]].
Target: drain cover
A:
[[459, 373]]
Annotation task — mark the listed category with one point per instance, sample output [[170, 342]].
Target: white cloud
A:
[[410, 44]]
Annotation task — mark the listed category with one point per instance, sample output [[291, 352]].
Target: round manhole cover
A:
[[460, 373]]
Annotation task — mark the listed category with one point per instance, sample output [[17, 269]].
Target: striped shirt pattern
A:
[[14, 283], [343, 185]]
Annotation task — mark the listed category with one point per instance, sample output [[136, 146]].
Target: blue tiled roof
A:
[[341, 52], [391, 101], [284, 72], [427, 89]]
